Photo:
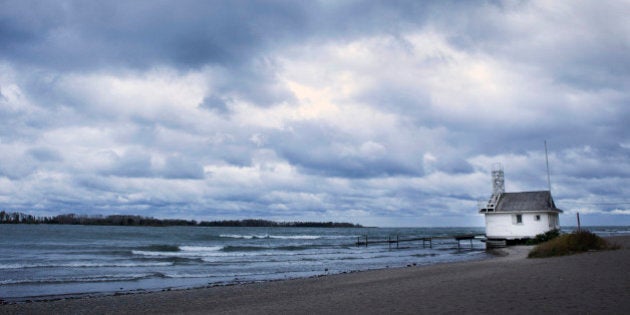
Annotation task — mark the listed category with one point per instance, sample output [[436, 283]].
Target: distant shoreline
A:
[[136, 220]]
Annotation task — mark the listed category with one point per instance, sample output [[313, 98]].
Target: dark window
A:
[[538, 217], [519, 219]]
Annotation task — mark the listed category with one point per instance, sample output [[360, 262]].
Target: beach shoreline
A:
[[596, 282], [91, 295]]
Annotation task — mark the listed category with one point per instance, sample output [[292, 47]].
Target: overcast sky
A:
[[387, 113]]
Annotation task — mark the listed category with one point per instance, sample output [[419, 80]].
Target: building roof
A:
[[526, 201]]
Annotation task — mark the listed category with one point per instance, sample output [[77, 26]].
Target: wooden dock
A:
[[428, 240]]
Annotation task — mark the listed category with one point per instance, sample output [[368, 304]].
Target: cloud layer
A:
[[375, 112]]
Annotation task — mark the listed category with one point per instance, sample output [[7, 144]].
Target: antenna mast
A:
[[547, 161]]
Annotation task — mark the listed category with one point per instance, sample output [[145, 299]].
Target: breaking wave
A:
[[267, 236]]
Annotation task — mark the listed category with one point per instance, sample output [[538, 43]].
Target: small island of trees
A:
[[136, 220]]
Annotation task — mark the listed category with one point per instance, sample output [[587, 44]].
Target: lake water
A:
[[52, 261]]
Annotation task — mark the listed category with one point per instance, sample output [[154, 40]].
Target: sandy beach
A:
[[593, 282]]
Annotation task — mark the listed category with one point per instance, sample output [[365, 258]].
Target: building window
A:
[[538, 217], [519, 219]]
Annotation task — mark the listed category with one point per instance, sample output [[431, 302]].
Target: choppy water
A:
[[48, 261], [44, 261], [51, 261]]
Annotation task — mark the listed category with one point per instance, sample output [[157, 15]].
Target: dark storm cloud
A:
[[182, 168], [254, 81], [139, 164], [233, 37], [82, 35], [411, 100], [324, 150], [132, 164], [215, 103], [16, 170], [45, 154], [596, 163], [85, 34]]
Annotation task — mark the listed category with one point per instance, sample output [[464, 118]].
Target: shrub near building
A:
[[544, 237], [573, 243]]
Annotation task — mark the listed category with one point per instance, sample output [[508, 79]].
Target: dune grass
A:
[[568, 244], [544, 237]]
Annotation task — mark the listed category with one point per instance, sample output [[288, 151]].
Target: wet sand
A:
[[593, 282]]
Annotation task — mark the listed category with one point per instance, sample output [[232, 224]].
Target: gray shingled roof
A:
[[526, 201]]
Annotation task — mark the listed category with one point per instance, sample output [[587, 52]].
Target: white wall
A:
[[503, 225]]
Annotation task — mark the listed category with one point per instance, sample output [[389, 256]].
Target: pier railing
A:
[[426, 240]]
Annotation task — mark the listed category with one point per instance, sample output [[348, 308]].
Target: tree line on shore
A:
[[136, 220]]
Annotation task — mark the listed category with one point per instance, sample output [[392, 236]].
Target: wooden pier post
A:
[[427, 240], [578, 222]]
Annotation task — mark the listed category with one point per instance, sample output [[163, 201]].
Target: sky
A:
[[382, 113]]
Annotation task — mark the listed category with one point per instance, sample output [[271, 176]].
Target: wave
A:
[[200, 248], [173, 259], [229, 249], [161, 248], [182, 251], [296, 237], [174, 251], [267, 236], [248, 237], [85, 265], [265, 248], [294, 248], [195, 252]]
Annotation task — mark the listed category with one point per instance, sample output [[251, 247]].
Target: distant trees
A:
[[18, 217], [71, 218], [136, 220]]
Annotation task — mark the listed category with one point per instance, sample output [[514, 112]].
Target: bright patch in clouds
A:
[[375, 113]]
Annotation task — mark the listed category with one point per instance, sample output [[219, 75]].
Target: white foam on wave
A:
[[149, 253], [247, 237], [221, 256], [282, 237], [185, 252], [189, 275], [296, 237], [200, 248]]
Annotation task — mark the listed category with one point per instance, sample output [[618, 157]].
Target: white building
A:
[[517, 216]]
